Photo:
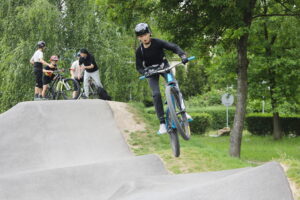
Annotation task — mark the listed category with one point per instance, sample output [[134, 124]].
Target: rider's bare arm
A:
[[89, 67], [44, 62], [47, 71], [31, 61]]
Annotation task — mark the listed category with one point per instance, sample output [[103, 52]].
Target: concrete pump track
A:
[[74, 150]]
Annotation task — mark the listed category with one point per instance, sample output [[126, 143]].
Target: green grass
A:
[[204, 153]]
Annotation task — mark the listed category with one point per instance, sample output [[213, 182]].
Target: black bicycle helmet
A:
[[141, 29], [83, 50], [41, 44]]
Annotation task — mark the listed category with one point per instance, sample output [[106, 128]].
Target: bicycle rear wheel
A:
[[70, 89], [178, 115], [174, 140]]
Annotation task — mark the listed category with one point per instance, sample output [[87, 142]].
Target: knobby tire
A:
[[176, 112], [174, 140]]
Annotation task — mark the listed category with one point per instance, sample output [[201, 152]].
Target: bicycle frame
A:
[[58, 82]]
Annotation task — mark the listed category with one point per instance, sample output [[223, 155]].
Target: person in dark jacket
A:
[[150, 55]]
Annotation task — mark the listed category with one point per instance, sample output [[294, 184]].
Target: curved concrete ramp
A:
[[73, 150]]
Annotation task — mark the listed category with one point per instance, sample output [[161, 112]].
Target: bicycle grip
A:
[[191, 58], [142, 77]]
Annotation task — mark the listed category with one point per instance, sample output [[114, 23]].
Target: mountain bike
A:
[[62, 88], [176, 119], [93, 90]]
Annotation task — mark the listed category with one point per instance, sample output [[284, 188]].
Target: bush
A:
[[259, 124], [201, 122], [211, 98], [262, 124], [218, 115]]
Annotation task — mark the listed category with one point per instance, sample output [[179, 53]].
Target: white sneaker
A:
[[189, 117], [162, 129]]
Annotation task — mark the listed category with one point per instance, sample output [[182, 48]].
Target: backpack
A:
[[103, 94]]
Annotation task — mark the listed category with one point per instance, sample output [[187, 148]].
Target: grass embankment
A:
[[204, 153]]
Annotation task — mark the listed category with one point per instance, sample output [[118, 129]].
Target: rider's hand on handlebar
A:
[[149, 72], [184, 59]]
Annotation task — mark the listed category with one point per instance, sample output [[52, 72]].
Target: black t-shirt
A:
[[154, 54], [88, 61], [52, 69]]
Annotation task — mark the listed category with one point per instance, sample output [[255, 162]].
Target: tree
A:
[[211, 21], [66, 26], [27, 22], [275, 61]]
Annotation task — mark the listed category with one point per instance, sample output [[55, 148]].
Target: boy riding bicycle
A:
[[150, 56]]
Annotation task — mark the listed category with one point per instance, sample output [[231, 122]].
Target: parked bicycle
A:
[[62, 88], [176, 119], [95, 92]]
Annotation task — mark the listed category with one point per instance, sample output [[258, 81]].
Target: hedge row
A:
[[201, 122], [218, 115], [262, 124], [215, 121], [214, 117]]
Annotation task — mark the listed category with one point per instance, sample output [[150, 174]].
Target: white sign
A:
[[227, 99]]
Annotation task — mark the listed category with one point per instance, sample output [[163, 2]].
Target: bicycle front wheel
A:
[[178, 115], [70, 89], [174, 140]]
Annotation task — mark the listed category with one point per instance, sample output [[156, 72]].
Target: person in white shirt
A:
[[38, 61], [77, 71]]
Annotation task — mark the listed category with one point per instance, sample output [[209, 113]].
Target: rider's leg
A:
[[75, 93], [154, 85], [46, 81], [38, 83], [45, 87], [86, 83], [95, 76]]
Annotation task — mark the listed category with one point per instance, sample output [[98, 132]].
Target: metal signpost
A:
[[227, 100]]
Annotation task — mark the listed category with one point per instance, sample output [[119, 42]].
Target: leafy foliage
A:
[[66, 26], [201, 123]]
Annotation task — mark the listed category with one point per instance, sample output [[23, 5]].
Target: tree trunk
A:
[[277, 132], [242, 87]]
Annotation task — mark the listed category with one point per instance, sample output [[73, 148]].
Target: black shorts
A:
[[38, 73], [47, 79]]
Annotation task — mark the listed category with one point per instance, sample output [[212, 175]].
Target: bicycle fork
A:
[[172, 81]]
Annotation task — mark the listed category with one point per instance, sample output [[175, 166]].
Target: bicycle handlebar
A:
[[191, 58], [164, 70]]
